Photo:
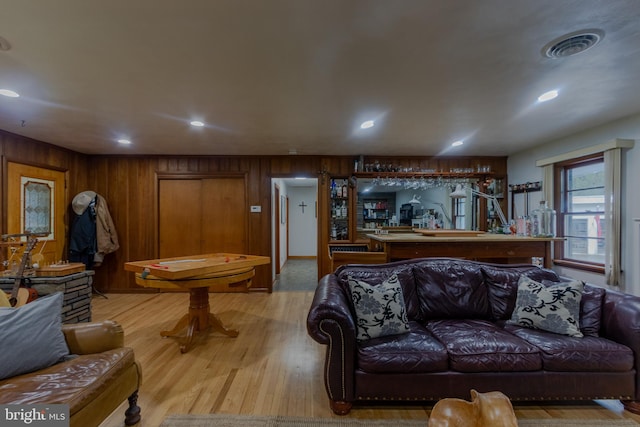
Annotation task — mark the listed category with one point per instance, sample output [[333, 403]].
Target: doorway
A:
[[36, 202], [276, 226], [295, 230]]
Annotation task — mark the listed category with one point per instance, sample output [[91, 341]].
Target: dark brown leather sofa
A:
[[459, 339]]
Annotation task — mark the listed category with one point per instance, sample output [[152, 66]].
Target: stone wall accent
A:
[[77, 290]]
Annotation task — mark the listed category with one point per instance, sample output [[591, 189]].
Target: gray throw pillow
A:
[[590, 307], [31, 336], [380, 309], [554, 309]]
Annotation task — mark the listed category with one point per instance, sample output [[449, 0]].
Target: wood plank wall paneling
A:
[[129, 184], [19, 149]]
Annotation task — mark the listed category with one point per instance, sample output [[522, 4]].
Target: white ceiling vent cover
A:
[[572, 44]]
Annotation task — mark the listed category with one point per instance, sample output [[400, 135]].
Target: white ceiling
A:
[[270, 76]]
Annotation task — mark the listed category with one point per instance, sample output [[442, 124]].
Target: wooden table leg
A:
[[199, 318], [193, 327], [182, 323], [217, 325]]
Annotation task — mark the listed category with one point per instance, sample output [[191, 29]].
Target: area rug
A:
[[221, 420]]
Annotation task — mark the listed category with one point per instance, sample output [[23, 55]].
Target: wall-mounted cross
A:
[[302, 205]]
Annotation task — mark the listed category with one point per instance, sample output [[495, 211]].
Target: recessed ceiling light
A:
[[9, 93], [368, 124], [457, 143], [548, 96], [124, 141], [197, 123]]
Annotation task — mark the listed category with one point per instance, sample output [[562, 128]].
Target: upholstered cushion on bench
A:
[[100, 374], [76, 382]]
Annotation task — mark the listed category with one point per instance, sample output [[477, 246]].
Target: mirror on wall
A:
[[388, 203]]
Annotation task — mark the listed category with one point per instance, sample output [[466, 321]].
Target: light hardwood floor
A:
[[271, 368]]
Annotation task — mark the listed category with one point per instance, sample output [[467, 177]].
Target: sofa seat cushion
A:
[[482, 346], [75, 382], [451, 289], [563, 354], [416, 351]]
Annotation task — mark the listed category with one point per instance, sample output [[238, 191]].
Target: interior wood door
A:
[[180, 217], [200, 216], [224, 215], [19, 175]]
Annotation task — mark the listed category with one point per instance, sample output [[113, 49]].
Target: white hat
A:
[[81, 201]]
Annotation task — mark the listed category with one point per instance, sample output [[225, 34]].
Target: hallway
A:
[[297, 275]]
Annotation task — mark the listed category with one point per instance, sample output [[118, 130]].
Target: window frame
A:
[[560, 195], [459, 215]]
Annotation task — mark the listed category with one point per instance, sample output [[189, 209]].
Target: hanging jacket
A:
[[106, 234], [105, 237], [82, 235]]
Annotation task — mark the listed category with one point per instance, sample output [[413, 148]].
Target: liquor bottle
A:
[[544, 221]]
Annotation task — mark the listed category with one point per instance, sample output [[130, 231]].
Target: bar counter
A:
[[489, 247]]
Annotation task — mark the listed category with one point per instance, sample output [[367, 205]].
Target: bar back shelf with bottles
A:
[[339, 205]]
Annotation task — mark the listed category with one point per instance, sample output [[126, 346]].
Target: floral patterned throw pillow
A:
[[554, 308], [380, 309]]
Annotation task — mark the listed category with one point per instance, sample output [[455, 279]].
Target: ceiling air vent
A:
[[572, 44]]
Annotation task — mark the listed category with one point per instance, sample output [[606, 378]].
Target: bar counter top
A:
[[451, 236], [465, 244]]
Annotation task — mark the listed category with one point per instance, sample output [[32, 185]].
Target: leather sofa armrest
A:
[[621, 319], [621, 323], [330, 303], [331, 322], [93, 337]]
